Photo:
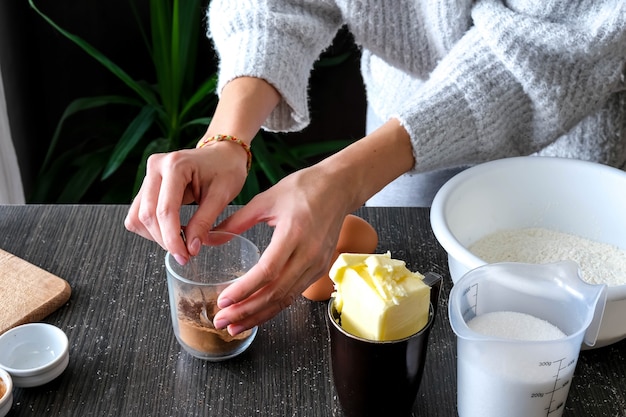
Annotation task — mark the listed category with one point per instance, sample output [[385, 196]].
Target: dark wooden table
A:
[[125, 361]]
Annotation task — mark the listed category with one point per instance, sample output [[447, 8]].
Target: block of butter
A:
[[378, 298]]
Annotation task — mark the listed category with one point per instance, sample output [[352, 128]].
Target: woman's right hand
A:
[[211, 176]]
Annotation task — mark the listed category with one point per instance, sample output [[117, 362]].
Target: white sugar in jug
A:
[[510, 374]]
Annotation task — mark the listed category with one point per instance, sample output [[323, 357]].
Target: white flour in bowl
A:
[[600, 263]]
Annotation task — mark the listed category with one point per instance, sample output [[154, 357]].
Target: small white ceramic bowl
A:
[[34, 354], [571, 196], [6, 400]]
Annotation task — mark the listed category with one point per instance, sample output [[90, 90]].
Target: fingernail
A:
[[234, 329], [221, 323], [180, 259], [224, 302], [194, 248]]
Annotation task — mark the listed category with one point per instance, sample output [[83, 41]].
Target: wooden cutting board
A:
[[27, 292]]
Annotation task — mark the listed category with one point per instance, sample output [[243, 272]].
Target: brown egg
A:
[[356, 236]]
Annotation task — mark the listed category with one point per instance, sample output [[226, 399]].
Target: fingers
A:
[[272, 285], [266, 271], [154, 213], [265, 303], [199, 225], [212, 177], [167, 211], [258, 308], [303, 241], [132, 223], [302, 244], [211, 202]]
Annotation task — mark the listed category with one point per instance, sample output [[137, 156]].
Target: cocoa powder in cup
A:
[[195, 326], [194, 288]]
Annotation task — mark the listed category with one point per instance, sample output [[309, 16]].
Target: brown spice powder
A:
[[197, 331], [3, 389]]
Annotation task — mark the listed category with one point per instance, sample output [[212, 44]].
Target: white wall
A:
[[11, 190]]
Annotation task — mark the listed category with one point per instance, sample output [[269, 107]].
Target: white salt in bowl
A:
[[6, 399], [571, 196], [34, 354]]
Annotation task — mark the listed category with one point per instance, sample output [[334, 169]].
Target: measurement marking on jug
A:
[[555, 404], [472, 305]]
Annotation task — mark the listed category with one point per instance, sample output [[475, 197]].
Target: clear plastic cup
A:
[[193, 291]]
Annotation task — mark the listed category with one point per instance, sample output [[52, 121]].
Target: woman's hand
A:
[[306, 211], [211, 176]]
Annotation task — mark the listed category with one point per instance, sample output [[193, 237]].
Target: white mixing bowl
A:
[[581, 198]]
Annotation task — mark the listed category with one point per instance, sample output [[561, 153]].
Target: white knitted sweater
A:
[[470, 81]]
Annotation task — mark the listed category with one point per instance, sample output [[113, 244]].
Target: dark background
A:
[[43, 72]]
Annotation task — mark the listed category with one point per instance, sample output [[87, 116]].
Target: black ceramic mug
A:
[[375, 378]]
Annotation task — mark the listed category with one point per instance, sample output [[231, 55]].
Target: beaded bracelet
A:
[[220, 138]]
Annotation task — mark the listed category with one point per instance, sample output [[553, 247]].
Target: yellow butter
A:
[[378, 298]]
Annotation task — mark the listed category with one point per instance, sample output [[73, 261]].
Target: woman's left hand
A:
[[307, 209], [307, 212]]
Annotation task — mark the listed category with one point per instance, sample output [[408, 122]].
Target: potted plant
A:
[[168, 114]]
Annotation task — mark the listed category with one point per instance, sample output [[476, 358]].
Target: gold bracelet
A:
[[220, 138]]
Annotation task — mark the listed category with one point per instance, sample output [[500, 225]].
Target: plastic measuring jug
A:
[[521, 378]]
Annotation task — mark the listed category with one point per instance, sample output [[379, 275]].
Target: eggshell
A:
[[356, 236]]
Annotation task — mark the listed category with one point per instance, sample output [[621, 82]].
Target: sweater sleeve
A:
[[277, 41], [516, 81]]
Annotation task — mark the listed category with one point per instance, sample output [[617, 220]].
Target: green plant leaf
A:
[[266, 162], [174, 44], [160, 18], [172, 109], [175, 32], [90, 166], [78, 105], [332, 61], [250, 188], [201, 121], [142, 31], [281, 153], [187, 37], [133, 134], [47, 180], [285, 159], [144, 93], [206, 89]]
